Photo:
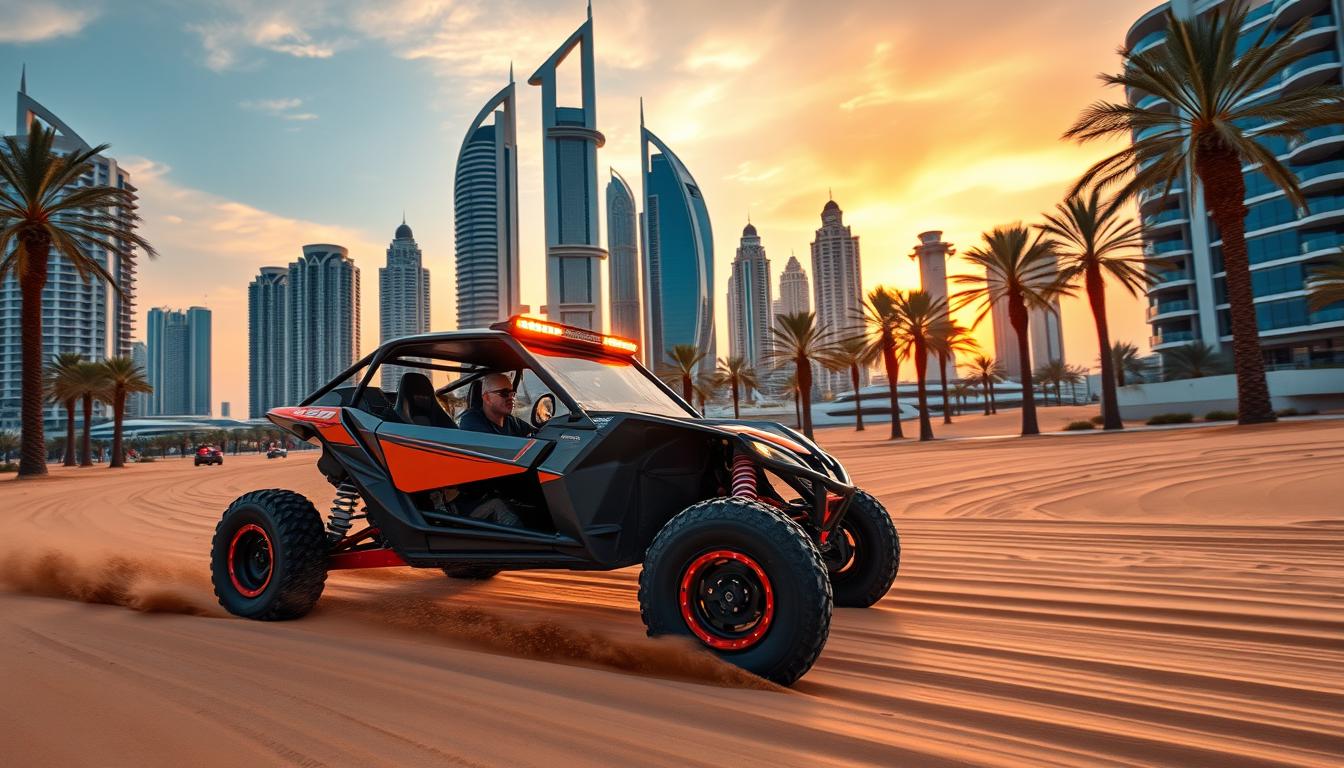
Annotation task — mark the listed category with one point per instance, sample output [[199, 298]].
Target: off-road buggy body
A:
[[747, 530]]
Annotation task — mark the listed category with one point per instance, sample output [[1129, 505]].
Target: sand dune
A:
[[1165, 598]]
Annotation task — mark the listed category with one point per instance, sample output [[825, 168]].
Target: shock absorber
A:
[[342, 510], [744, 477]]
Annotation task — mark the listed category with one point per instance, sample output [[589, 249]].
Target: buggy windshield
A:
[[608, 385]]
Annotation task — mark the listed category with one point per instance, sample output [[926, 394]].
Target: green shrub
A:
[[1075, 426], [1098, 420], [10, 467], [1170, 418], [1220, 416]]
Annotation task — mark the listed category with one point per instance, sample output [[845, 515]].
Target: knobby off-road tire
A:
[[470, 572], [731, 554], [268, 560], [865, 555]]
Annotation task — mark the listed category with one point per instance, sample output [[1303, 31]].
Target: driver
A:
[[495, 416]]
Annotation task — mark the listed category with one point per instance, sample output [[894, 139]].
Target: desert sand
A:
[[1156, 598]]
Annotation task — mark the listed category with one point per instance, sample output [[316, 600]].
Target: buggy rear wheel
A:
[[744, 580], [268, 560], [864, 553]]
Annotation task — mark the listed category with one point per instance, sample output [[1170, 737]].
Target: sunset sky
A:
[[253, 127]]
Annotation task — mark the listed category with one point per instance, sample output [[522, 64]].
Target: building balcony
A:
[[1153, 198], [1170, 309], [1288, 12], [1171, 338], [1315, 143], [1321, 175], [1166, 248], [1166, 218], [1315, 69], [1171, 278]]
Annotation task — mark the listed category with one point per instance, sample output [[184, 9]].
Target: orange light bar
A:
[[543, 328]]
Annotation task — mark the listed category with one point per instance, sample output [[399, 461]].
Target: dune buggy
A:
[[748, 533]]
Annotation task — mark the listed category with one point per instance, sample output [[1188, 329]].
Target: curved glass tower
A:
[[1189, 300], [485, 214], [569, 157], [678, 256], [623, 263]]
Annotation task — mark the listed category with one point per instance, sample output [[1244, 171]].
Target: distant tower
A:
[[837, 284], [570, 140], [678, 256], [485, 214], [932, 254], [623, 262], [794, 294], [403, 297], [1047, 335], [177, 362], [224, 410], [749, 303], [138, 404], [267, 342], [324, 317]]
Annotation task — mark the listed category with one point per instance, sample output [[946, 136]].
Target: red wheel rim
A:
[[725, 568], [258, 560]]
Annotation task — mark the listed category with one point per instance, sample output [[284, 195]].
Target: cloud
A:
[[294, 28], [282, 108], [26, 21]]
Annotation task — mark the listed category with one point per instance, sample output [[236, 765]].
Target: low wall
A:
[[1315, 389]]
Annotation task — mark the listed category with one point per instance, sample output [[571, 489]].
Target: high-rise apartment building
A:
[[268, 342], [838, 288], [570, 140], [323, 334], [403, 297], [178, 361], [623, 259], [1189, 300], [678, 256], [794, 294], [749, 303], [932, 254], [1045, 338], [137, 404], [485, 214], [88, 317]]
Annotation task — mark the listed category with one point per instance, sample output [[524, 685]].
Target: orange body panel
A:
[[327, 421], [415, 468]]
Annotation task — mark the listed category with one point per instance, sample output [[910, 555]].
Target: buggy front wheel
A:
[[268, 559]]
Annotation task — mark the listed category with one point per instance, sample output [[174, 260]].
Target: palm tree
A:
[[987, 370], [61, 389], [879, 313], [954, 338], [1209, 103], [923, 318], [734, 373], [849, 355], [685, 358], [1020, 269], [1073, 376], [121, 377], [1126, 363], [963, 389], [1051, 376], [43, 210], [1094, 243], [703, 386], [89, 384], [1192, 361], [1325, 285], [799, 342]]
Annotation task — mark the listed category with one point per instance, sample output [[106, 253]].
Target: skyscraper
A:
[[1188, 301], [932, 254], [570, 140], [178, 361], [1045, 338], [838, 286], [485, 211], [749, 303], [794, 294], [138, 403], [87, 317], [403, 297], [267, 342], [1005, 341], [678, 256], [623, 263], [324, 317]]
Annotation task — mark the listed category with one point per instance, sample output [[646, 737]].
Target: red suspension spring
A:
[[744, 477]]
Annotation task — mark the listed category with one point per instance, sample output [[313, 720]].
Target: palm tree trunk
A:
[[805, 393], [1017, 316], [893, 366], [986, 389], [737, 414], [1219, 170], [86, 460], [858, 402], [687, 391], [921, 368], [33, 440], [797, 408], [118, 412], [1110, 401], [70, 433], [942, 374]]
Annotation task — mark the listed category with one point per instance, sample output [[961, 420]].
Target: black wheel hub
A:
[[839, 556], [731, 598], [252, 560]]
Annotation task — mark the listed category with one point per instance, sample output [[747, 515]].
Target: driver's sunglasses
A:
[[505, 392]]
